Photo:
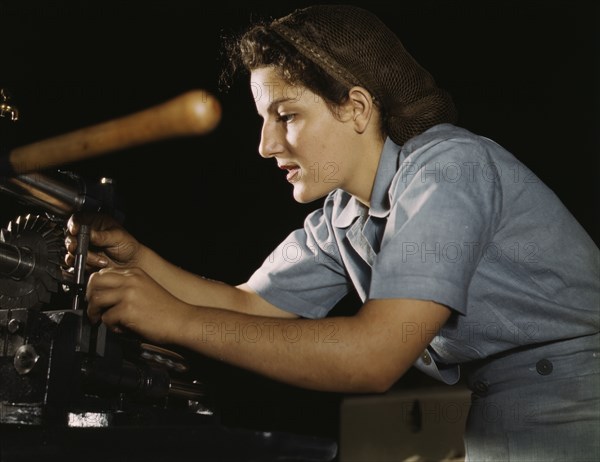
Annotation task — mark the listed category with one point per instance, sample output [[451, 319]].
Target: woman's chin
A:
[[304, 196]]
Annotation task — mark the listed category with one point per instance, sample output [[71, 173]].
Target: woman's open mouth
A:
[[293, 172]]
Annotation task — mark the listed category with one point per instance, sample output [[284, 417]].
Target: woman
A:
[[461, 255]]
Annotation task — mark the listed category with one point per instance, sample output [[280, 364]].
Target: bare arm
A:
[[200, 291], [114, 247], [364, 353]]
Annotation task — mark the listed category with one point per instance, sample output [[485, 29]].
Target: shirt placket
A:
[[359, 242]]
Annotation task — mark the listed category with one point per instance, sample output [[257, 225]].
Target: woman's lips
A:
[[293, 172]]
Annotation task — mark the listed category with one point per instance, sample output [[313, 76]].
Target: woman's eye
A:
[[285, 118]]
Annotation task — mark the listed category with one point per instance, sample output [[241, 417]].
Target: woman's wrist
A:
[[143, 257]]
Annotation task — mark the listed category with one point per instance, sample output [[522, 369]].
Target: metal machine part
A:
[[54, 364], [46, 379], [31, 253], [55, 367], [59, 196], [60, 193]]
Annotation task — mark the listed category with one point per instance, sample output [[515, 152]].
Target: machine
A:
[[66, 385]]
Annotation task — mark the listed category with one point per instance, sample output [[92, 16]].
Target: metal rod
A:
[[16, 262], [79, 266]]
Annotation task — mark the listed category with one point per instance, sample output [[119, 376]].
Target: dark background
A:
[[523, 73]]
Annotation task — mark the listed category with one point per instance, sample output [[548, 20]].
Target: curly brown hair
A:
[[259, 46], [330, 48]]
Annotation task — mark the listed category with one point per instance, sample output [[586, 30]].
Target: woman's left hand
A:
[[129, 299]]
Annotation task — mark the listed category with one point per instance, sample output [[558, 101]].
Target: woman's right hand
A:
[[110, 245]]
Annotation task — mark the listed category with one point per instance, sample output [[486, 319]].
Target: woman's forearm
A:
[[201, 291]]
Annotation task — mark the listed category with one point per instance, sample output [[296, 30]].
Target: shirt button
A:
[[544, 367], [426, 358], [480, 387]]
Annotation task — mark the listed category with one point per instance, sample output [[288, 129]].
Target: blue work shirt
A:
[[456, 219]]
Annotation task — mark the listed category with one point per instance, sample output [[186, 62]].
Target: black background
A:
[[523, 73]]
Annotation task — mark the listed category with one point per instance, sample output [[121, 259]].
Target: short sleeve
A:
[[445, 203], [304, 274]]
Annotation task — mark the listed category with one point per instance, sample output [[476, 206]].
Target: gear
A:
[[45, 240]]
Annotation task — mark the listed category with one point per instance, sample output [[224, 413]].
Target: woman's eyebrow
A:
[[273, 104], [277, 101]]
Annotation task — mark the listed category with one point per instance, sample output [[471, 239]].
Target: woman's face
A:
[[313, 146]]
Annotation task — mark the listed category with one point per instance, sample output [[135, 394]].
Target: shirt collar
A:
[[388, 166], [350, 208]]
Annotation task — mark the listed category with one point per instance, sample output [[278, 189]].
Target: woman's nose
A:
[[270, 143]]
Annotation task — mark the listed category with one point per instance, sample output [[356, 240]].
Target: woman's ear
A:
[[361, 104]]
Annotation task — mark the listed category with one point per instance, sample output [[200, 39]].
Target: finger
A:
[[103, 291], [95, 220], [107, 278], [117, 329], [72, 225], [101, 301], [111, 237], [71, 243], [96, 260], [77, 219], [112, 319]]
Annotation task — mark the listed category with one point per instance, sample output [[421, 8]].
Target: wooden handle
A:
[[193, 113]]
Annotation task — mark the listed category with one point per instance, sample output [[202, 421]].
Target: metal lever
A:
[[83, 242], [84, 334]]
